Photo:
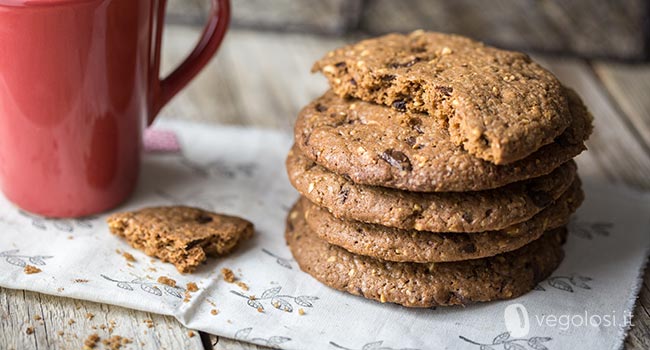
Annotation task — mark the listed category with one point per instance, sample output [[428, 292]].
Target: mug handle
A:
[[163, 90]]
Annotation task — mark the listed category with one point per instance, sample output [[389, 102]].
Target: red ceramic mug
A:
[[79, 79]]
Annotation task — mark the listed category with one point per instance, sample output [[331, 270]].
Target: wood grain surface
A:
[[263, 79]]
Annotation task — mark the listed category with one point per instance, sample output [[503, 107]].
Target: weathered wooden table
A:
[[262, 79]]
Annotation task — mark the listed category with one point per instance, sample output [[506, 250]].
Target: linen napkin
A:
[[586, 304]]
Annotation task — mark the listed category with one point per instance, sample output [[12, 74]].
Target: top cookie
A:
[[376, 145], [499, 105]]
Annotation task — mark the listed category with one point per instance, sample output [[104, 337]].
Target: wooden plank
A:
[[605, 28], [62, 323], [316, 16], [258, 79], [629, 86]]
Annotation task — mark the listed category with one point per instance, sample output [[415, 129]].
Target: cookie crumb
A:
[[260, 309], [29, 269], [301, 312], [190, 334], [166, 280], [37, 317], [80, 280], [29, 330], [91, 341], [228, 275], [214, 311], [90, 316], [60, 333], [71, 322], [116, 342], [128, 257], [192, 287], [242, 285], [149, 323]]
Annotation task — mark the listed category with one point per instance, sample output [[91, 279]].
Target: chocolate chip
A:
[[343, 195], [203, 219], [353, 82], [320, 107], [415, 124], [411, 141], [468, 248], [541, 199], [468, 217], [387, 77], [397, 159], [406, 64], [400, 105], [445, 90], [340, 65], [346, 177]]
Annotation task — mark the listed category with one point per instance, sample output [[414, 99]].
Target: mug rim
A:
[[41, 3]]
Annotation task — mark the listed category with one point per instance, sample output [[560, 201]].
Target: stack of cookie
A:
[[436, 171]]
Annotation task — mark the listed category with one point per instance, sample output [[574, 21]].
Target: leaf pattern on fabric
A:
[[590, 229], [566, 283], [286, 263], [274, 341], [374, 345], [62, 225], [14, 258], [279, 301], [506, 342], [150, 287]]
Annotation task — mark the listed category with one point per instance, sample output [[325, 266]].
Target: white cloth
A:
[[241, 171]]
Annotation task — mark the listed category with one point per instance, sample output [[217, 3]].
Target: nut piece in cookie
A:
[[183, 236]]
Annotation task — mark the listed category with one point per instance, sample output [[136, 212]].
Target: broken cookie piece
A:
[[183, 236]]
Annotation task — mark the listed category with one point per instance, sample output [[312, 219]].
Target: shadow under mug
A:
[[79, 80]]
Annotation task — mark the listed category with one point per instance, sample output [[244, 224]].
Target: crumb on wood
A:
[[71, 322], [187, 297], [60, 333], [190, 334], [116, 342], [70, 237], [81, 280], [37, 317], [91, 341], [29, 330], [29, 269], [149, 323], [242, 285], [301, 312], [90, 316], [260, 309], [167, 281], [192, 287], [214, 311], [228, 275], [128, 257]]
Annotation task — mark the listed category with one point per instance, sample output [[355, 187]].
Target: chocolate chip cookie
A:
[[421, 246], [183, 236], [375, 145], [499, 105], [503, 276], [436, 211]]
